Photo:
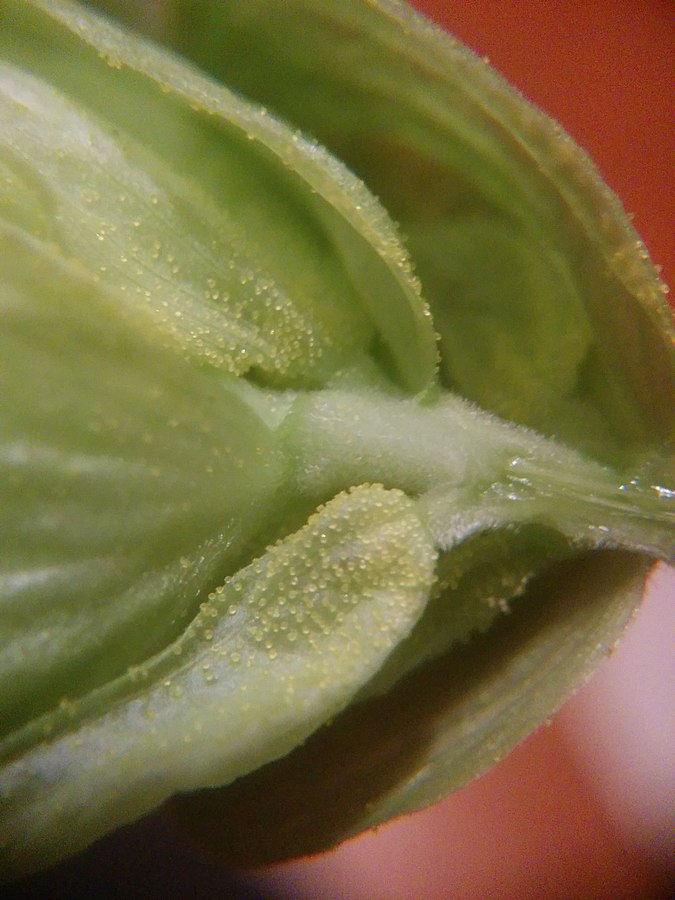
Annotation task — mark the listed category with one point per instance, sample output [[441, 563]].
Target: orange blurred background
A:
[[604, 69]]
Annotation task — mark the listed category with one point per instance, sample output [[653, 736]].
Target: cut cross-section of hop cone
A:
[[263, 509]]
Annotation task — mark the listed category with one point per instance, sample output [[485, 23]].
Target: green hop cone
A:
[[265, 494]]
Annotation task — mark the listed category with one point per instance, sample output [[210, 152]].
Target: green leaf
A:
[[448, 722], [128, 478], [274, 652], [244, 229], [509, 301], [154, 238]]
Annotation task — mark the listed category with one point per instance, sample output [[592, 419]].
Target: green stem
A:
[[471, 471]]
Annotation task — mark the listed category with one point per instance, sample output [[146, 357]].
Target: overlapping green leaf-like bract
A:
[[261, 508]]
